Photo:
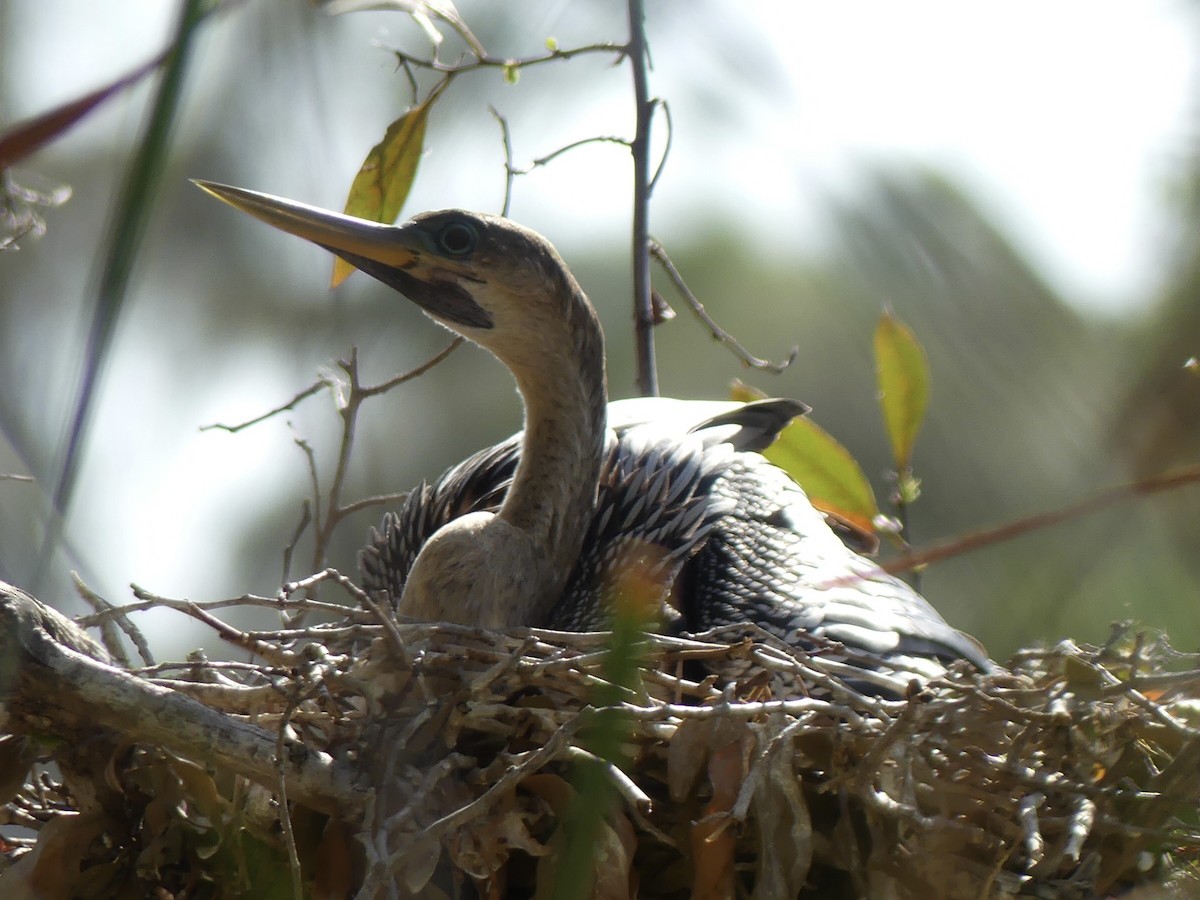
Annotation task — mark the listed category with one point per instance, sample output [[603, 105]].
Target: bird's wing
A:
[[774, 561], [735, 536], [477, 483], [481, 481], [744, 426], [654, 509]]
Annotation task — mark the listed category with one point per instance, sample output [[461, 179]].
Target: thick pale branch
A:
[[52, 681]]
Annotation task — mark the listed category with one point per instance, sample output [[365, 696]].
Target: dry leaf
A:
[[713, 837], [691, 746], [333, 875], [53, 868], [784, 826]]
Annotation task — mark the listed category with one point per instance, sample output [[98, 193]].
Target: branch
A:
[[511, 170], [325, 510], [643, 305], [413, 373], [58, 685], [290, 405], [486, 61], [582, 142], [111, 642], [662, 162], [979, 539], [148, 600], [335, 511], [748, 359]]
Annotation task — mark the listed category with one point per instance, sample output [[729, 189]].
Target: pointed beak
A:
[[346, 236], [400, 256]]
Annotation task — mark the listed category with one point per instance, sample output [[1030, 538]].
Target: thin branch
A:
[[485, 61], [148, 600], [511, 170], [566, 148], [375, 500], [333, 502], [414, 373], [286, 407], [643, 305], [662, 162], [510, 173], [285, 813], [314, 480], [720, 334], [356, 394], [111, 643], [325, 511], [330, 574], [276, 654], [1175, 478], [635, 798], [330, 382], [290, 550], [413, 87]]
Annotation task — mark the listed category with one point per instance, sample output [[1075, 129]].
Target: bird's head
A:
[[506, 288], [491, 280]]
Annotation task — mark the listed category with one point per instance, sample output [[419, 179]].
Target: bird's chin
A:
[[452, 305], [437, 292]]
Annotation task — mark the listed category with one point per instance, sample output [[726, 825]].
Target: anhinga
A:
[[536, 530]]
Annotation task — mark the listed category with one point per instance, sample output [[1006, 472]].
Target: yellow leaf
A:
[[903, 373], [832, 478], [387, 174]]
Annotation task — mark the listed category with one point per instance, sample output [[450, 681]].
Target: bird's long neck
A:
[[553, 495]]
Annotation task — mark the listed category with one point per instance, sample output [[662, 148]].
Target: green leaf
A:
[[829, 474], [903, 373], [387, 174]]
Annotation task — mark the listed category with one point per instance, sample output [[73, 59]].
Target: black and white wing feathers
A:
[[478, 483], [775, 562], [715, 533]]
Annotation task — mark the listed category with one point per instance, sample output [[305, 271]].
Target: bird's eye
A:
[[457, 239]]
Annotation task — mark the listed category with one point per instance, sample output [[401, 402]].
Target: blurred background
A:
[[1018, 181]]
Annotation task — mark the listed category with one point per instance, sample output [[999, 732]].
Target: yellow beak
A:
[[401, 256], [346, 236]]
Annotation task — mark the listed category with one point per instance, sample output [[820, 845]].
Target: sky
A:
[[1068, 118]]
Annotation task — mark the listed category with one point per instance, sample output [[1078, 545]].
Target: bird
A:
[[670, 500]]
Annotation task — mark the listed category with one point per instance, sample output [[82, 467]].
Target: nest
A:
[[510, 765]]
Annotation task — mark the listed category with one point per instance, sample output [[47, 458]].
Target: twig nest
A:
[[486, 759]]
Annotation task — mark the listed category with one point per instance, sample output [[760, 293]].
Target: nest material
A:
[[490, 759]]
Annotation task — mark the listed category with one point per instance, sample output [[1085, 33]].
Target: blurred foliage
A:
[[1025, 411]]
